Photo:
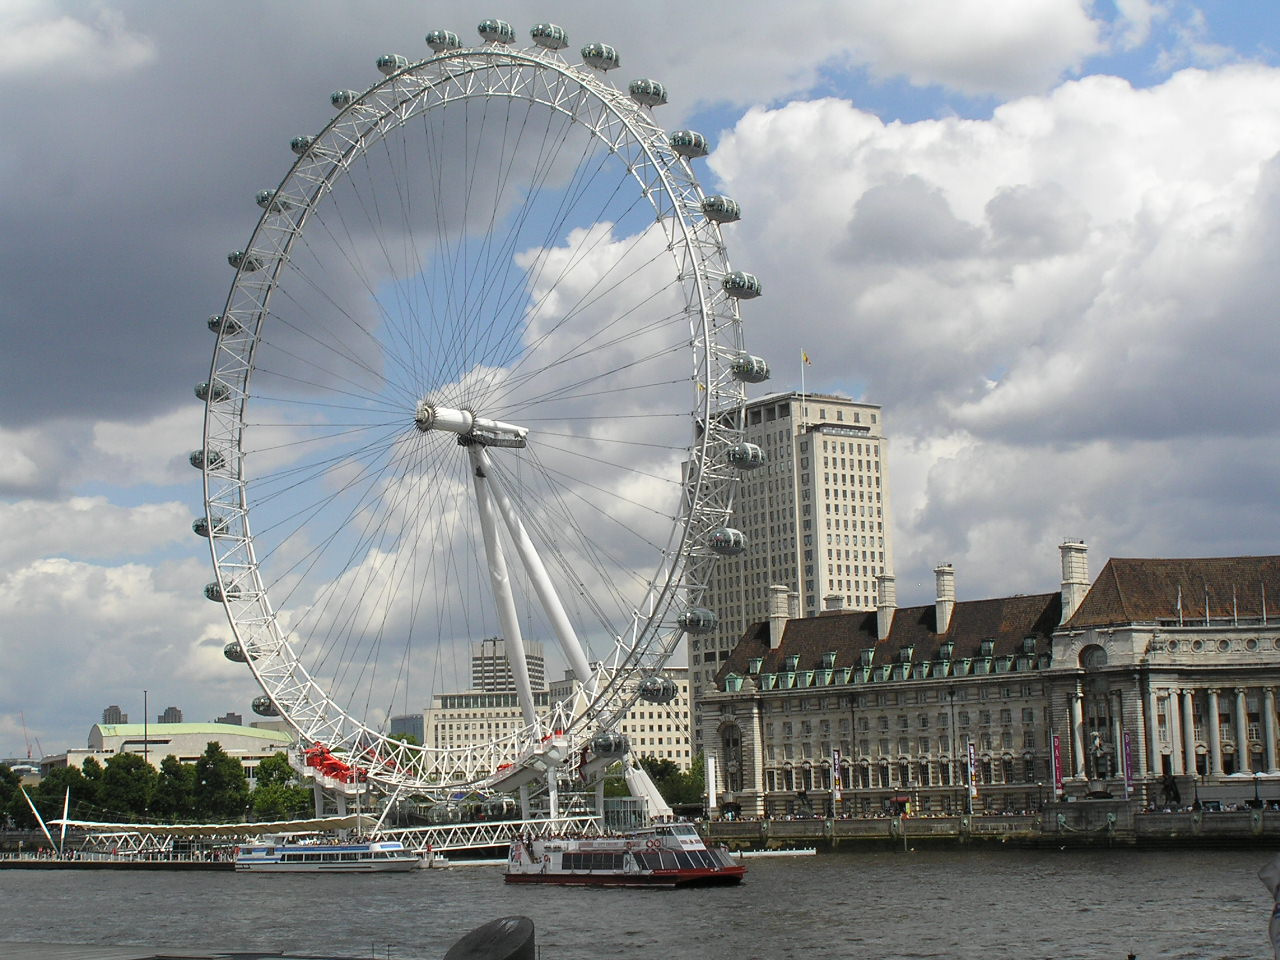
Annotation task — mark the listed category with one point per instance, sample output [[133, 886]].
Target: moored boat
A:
[[384, 856], [667, 855]]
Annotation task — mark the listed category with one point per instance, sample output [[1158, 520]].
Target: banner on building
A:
[[973, 772], [1128, 765], [1056, 756], [835, 776]]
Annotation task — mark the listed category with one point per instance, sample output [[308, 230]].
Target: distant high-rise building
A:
[[491, 670], [407, 723], [113, 714], [815, 518], [170, 715], [231, 719]]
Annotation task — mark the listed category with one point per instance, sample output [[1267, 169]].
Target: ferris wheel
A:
[[480, 373]]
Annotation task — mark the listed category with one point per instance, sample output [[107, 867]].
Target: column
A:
[[1174, 719], [1153, 733], [1116, 702], [1269, 727], [1244, 762], [1189, 729], [1077, 734], [1215, 735]]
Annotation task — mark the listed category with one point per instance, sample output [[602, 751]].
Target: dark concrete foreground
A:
[[90, 951]]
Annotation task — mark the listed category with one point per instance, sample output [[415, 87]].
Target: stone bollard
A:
[[508, 938]]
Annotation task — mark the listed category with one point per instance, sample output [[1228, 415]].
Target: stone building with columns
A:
[[1002, 704]]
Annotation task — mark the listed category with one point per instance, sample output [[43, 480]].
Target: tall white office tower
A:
[[816, 519]]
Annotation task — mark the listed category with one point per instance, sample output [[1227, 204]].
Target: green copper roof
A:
[[212, 730]]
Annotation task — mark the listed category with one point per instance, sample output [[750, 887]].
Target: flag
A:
[[805, 357]]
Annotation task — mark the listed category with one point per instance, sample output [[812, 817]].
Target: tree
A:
[[128, 782], [279, 795], [10, 797], [676, 787], [175, 793], [221, 789]]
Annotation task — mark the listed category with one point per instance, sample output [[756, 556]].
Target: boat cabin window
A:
[[684, 830]]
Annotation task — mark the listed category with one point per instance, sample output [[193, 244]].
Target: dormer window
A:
[[829, 660], [988, 647], [865, 656], [754, 665], [1028, 645], [790, 663], [946, 651]]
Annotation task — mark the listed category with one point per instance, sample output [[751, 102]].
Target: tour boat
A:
[[386, 856], [667, 855]]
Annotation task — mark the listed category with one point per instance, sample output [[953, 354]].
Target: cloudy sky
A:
[[1042, 233]]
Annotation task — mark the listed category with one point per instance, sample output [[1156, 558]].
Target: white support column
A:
[[1269, 728], [1077, 734], [1189, 729], [1215, 735], [1174, 721], [500, 581], [538, 577], [1153, 733], [1116, 701], [1244, 762]]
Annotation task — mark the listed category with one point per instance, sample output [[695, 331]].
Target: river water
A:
[[973, 904]]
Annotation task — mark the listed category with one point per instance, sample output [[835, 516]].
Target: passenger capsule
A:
[[601, 56], [658, 689], [698, 621], [550, 36], [218, 592], [610, 745], [441, 40], [206, 460], [390, 63], [748, 369], [728, 542], [741, 286], [234, 652], [200, 525], [496, 31], [688, 143], [217, 392], [301, 145], [444, 813], [266, 199], [244, 261], [343, 98], [220, 323], [264, 706], [746, 456], [721, 209], [500, 808], [647, 93]]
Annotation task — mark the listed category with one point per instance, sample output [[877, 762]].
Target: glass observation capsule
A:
[[206, 459], [658, 689], [200, 525], [221, 323], [610, 745], [721, 209], [444, 813], [343, 98], [301, 145], [688, 143], [216, 392], [601, 56], [499, 808], [647, 93], [741, 286], [241, 260], [728, 542], [266, 199], [749, 369], [390, 63], [550, 36], [496, 31], [441, 40], [698, 621], [234, 652], [264, 707], [746, 456], [217, 592]]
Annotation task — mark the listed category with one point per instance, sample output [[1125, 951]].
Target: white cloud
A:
[[88, 528], [35, 36]]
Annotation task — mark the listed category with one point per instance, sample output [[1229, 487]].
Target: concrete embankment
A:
[[1108, 823]]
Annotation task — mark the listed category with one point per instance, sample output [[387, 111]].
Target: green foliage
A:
[[128, 782], [175, 791], [279, 795], [407, 738], [221, 789], [10, 798], [676, 787]]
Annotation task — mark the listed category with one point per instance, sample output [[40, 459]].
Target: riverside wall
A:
[[1095, 823]]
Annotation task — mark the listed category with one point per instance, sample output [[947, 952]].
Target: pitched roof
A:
[[1006, 620], [158, 731], [1147, 590]]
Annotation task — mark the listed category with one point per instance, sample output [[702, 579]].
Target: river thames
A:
[[974, 904]]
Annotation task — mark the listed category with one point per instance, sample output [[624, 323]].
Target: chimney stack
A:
[[833, 601], [1075, 576], [886, 603], [779, 611], [945, 575]]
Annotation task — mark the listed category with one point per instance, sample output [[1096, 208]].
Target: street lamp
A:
[[1257, 801]]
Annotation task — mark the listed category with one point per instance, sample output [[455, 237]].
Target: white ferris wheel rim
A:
[[643, 646]]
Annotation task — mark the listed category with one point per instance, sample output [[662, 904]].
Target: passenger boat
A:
[[386, 856], [667, 855]]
